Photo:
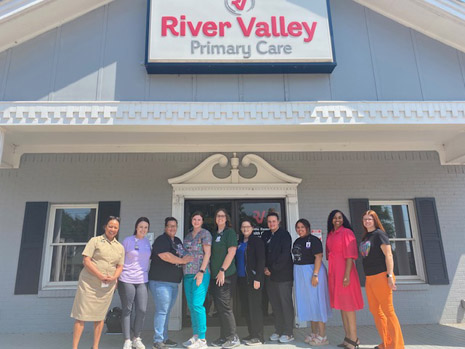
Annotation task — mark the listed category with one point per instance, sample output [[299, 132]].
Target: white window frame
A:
[[416, 242], [47, 266]]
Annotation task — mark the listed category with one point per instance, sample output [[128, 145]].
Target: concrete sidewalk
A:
[[416, 337]]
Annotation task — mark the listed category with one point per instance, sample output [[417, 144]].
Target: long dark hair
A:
[[345, 221], [140, 219]]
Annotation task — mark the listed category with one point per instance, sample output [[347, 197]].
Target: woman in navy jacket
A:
[[250, 259]]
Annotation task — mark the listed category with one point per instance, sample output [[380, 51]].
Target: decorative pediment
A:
[[205, 174]]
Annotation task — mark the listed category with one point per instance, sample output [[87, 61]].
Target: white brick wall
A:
[[139, 181]]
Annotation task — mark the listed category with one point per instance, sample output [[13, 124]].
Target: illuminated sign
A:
[[239, 36]]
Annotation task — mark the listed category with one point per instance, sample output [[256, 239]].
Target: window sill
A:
[[411, 286], [64, 292]]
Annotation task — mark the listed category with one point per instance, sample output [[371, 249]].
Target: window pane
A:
[[404, 259], [74, 225], [66, 263], [257, 212], [395, 220]]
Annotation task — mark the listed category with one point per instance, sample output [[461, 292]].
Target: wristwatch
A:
[[389, 275], [222, 269], [202, 271], [315, 275]]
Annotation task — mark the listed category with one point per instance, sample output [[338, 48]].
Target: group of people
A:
[[219, 261]]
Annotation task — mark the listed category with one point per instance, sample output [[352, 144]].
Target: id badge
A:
[[308, 244], [218, 238], [104, 285]]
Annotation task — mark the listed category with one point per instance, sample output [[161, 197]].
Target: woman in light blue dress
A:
[[311, 283]]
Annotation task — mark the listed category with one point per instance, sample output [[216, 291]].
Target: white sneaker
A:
[[137, 343], [190, 341], [286, 339], [274, 337], [199, 343], [127, 344]]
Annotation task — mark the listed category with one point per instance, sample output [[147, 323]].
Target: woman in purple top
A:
[[132, 286]]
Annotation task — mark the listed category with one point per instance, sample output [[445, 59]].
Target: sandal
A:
[[343, 344], [356, 344], [309, 338]]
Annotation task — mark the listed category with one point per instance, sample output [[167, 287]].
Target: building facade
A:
[[85, 131]]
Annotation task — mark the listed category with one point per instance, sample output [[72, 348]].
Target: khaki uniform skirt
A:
[[92, 301]]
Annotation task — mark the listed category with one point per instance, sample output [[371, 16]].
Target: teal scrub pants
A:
[[195, 297]]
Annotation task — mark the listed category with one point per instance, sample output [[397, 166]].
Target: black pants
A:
[[280, 294], [222, 296]]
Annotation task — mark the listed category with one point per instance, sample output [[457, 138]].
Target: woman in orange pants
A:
[[378, 265]]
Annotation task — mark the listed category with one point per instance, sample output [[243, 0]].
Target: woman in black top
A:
[[250, 259], [378, 265], [311, 283]]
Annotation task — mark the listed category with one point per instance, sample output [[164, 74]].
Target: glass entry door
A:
[[238, 209]]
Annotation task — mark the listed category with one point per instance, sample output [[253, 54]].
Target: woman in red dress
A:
[[344, 285]]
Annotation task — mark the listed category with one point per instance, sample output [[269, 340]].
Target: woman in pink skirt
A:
[[344, 285]]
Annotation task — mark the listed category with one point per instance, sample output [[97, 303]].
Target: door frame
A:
[[201, 183]]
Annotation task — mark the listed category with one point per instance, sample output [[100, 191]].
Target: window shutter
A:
[[105, 209], [357, 208], [32, 244], [431, 241]]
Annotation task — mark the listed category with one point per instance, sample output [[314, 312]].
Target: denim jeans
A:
[[164, 296]]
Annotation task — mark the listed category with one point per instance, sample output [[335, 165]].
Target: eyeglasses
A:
[[220, 216], [246, 227]]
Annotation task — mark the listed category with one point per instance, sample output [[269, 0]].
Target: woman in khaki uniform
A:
[[103, 263]]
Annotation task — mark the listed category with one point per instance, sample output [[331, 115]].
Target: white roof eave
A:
[[442, 20], [22, 20]]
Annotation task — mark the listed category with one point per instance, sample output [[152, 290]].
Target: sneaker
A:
[[317, 341], [232, 342], [127, 344], [243, 340], [286, 339], [190, 341], [158, 345], [274, 337], [137, 343], [199, 343], [253, 341], [170, 343], [219, 342]]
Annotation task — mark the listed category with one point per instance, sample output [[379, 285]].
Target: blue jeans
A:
[[164, 296]]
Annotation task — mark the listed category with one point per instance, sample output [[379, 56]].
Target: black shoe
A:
[[253, 341], [158, 345], [170, 343], [219, 342], [232, 342]]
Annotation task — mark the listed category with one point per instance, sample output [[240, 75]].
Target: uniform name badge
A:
[[308, 244]]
